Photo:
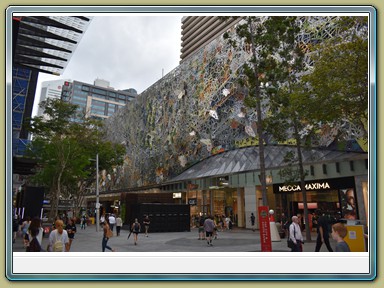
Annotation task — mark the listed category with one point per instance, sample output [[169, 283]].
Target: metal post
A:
[[97, 194]]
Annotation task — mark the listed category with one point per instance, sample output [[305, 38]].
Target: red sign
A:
[[265, 230]]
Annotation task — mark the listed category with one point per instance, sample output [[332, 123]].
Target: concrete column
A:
[[204, 202], [211, 201], [250, 206], [240, 209]]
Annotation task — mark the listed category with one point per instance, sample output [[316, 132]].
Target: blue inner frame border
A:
[[201, 9]]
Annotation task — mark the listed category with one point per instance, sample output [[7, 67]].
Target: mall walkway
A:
[[236, 240]]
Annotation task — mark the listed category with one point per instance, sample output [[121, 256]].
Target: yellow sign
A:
[[355, 238]]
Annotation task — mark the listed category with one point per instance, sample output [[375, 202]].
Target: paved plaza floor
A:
[[235, 240]]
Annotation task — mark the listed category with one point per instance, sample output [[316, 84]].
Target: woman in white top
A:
[[295, 235]]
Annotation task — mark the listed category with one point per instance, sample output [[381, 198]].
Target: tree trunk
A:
[[259, 122], [302, 182]]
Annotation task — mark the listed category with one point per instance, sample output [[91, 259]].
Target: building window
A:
[[98, 96], [312, 170], [324, 168], [337, 167], [351, 166], [99, 91]]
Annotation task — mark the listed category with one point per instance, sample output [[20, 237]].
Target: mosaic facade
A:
[[196, 111]]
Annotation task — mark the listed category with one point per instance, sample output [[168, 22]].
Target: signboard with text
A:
[[192, 201], [265, 230]]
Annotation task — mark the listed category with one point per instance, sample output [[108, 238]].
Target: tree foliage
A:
[[271, 41], [339, 82], [64, 150]]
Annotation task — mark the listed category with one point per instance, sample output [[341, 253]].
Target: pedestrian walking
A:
[[215, 234], [71, 230], [136, 228], [34, 225], [15, 228], [107, 233], [34, 244], [322, 232], [201, 228], [295, 235], [284, 224], [146, 223], [252, 219], [209, 226], [339, 231], [58, 238], [102, 220], [24, 228], [83, 222], [228, 223], [119, 224], [112, 221]]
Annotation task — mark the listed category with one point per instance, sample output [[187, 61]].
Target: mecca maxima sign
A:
[[319, 185]]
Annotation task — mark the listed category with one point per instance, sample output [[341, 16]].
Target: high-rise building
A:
[[97, 100], [50, 90], [198, 31], [39, 44]]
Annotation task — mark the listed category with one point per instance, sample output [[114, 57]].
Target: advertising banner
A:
[[355, 238], [265, 231]]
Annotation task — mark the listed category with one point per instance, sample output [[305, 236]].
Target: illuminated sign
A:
[[176, 195], [308, 187]]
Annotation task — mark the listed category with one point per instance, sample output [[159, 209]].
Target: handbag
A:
[[290, 243]]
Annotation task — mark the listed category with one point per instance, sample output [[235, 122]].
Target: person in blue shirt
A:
[[339, 231]]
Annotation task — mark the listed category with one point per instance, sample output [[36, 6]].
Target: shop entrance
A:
[[218, 202], [326, 201]]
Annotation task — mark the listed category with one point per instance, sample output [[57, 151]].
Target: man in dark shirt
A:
[[322, 233]]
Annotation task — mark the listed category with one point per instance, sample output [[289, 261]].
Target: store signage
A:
[[308, 187], [265, 230], [192, 201], [176, 195]]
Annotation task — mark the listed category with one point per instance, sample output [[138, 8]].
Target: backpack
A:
[[57, 246]]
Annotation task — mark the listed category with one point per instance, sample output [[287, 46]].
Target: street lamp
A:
[[97, 194]]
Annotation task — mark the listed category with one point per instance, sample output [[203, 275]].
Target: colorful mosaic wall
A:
[[193, 112]]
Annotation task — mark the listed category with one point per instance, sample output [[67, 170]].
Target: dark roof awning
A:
[[247, 159]]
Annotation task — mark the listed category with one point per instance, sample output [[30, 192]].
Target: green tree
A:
[[299, 107], [270, 40], [63, 150], [340, 81]]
